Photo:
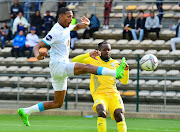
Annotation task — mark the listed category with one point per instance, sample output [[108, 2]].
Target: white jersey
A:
[[59, 40]]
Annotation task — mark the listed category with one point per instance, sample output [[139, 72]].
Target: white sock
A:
[[106, 71], [31, 109]]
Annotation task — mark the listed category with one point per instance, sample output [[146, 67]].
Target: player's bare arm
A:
[[84, 22], [37, 54]]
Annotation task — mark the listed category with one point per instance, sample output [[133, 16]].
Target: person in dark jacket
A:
[[94, 26], [48, 22], [159, 5], [36, 21], [140, 26], [5, 34], [19, 44], [129, 24]]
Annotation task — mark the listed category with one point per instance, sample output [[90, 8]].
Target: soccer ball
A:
[[149, 62]]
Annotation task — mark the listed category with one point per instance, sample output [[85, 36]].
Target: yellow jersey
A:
[[98, 83]]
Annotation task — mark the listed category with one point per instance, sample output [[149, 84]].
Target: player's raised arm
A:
[[41, 55], [84, 22]]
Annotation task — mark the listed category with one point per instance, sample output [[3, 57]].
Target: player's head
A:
[[65, 16], [152, 14], [105, 49]]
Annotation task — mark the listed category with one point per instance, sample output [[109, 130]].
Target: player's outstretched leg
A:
[[88, 68], [56, 103]]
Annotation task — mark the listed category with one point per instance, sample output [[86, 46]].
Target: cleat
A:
[[23, 116], [120, 69]]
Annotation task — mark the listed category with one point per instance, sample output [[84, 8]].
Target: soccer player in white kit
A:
[[59, 40]]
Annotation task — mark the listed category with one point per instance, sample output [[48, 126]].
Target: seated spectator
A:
[[48, 22], [36, 21], [94, 26], [159, 5], [139, 27], [5, 34], [73, 34], [31, 40], [152, 25], [19, 44], [20, 23], [177, 38], [15, 9], [129, 24]]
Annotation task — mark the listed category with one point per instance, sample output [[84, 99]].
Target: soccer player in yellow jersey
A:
[[103, 88]]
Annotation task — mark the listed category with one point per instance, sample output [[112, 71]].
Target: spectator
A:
[[152, 25], [19, 44], [73, 34], [36, 21], [140, 26], [177, 38], [27, 6], [129, 24], [60, 5], [94, 26], [20, 23], [159, 5], [107, 11], [48, 22], [31, 40], [15, 9], [37, 5], [5, 34]]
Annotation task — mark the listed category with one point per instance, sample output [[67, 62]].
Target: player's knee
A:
[[119, 116], [102, 113]]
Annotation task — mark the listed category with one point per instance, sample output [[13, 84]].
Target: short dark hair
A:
[[141, 12], [151, 12], [100, 44], [63, 10]]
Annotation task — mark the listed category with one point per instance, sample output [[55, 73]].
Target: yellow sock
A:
[[101, 124], [121, 126]]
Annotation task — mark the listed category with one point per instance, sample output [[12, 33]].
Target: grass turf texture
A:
[[13, 123]]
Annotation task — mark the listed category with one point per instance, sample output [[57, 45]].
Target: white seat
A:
[[36, 70], [156, 94], [15, 90], [39, 79], [178, 95], [27, 79], [177, 62], [30, 90], [151, 52], [86, 41], [6, 50], [176, 83], [117, 31], [107, 31], [97, 41], [4, 78], [170, 94], [163, 52], [75, 80], [46, 60], [131, 61], [134, 42], [2, 68], [21, 59], [144, 93], [14, 79], [142, 7], [111, 41], [133, 71], [138, 51], [115, 51], [162, 83], [70, 91], [12, 69], [146, 72], [80, 91], [2, 59], [141, 82], [168, 62], [41, 91], [78, 51], [159, 42], [152, 82], [10, 59], [88, 51], [123, 41], [46, 70], [126, 51], [176, 52], [146, 42], [24, 69], [86, 81], [5, 90], [160, 72], [88, 92], [173, 72], [168, 43]]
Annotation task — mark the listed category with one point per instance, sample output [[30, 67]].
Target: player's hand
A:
[[42, 55], [85, 21], [94, 54]]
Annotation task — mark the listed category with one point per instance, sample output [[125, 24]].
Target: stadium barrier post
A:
[[48, 89], [76, 92], [66, 98], [18, 85], [137, 88], [165, 89]]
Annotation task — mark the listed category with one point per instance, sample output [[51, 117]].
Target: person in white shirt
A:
[[31, 40], [21, 22], [59, 40]]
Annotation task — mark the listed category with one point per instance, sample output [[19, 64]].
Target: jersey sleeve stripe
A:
[[45, 42]]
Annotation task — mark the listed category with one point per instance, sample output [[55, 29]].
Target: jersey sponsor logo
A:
[[120, 101], [99, 124], [113, 64], [96, 101], [49, 37]]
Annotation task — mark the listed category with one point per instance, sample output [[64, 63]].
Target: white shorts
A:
[[59, 73]]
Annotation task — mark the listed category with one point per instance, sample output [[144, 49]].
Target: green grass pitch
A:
[[13, 123]]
